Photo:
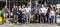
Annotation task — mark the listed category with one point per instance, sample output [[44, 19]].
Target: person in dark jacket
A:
[[47, 14], [36, 2], [36, 13], [15, 13]]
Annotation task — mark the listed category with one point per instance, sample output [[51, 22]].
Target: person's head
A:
[[42, 5], [54, 5], [5, 6], [35, 6], [19, 6], [14, 6], [23, 6], [47, 6], [51, 5]]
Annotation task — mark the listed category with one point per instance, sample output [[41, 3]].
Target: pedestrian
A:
[[5, 12], [15, 14], [22, 13], [28, 12], [43, 13], [47, 14], [52, 14], [36, 13]]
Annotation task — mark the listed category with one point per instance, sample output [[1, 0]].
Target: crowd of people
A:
[[27, 14], [42, 14]]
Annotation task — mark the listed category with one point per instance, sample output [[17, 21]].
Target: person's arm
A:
[[45, 11], [18, 11], [30, 10], [39, 11], [12, 9], [56, 10]]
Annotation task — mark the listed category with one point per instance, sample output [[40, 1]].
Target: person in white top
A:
[[28, 11], [19, 7], [52, 16], [43, 10], [43, 13]]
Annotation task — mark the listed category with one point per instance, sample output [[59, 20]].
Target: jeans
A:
[[15, 18], [22, 16], [43, 19], [36, 18], [53, 18]]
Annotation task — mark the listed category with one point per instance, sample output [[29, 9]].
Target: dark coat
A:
[[15, 10]]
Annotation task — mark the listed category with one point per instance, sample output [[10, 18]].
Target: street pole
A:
[[9, 9], [30, 3], [30, 7], [14, 2], [9, 4], [6, 2]]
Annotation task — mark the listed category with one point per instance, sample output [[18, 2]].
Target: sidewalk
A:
[[31, 25]]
